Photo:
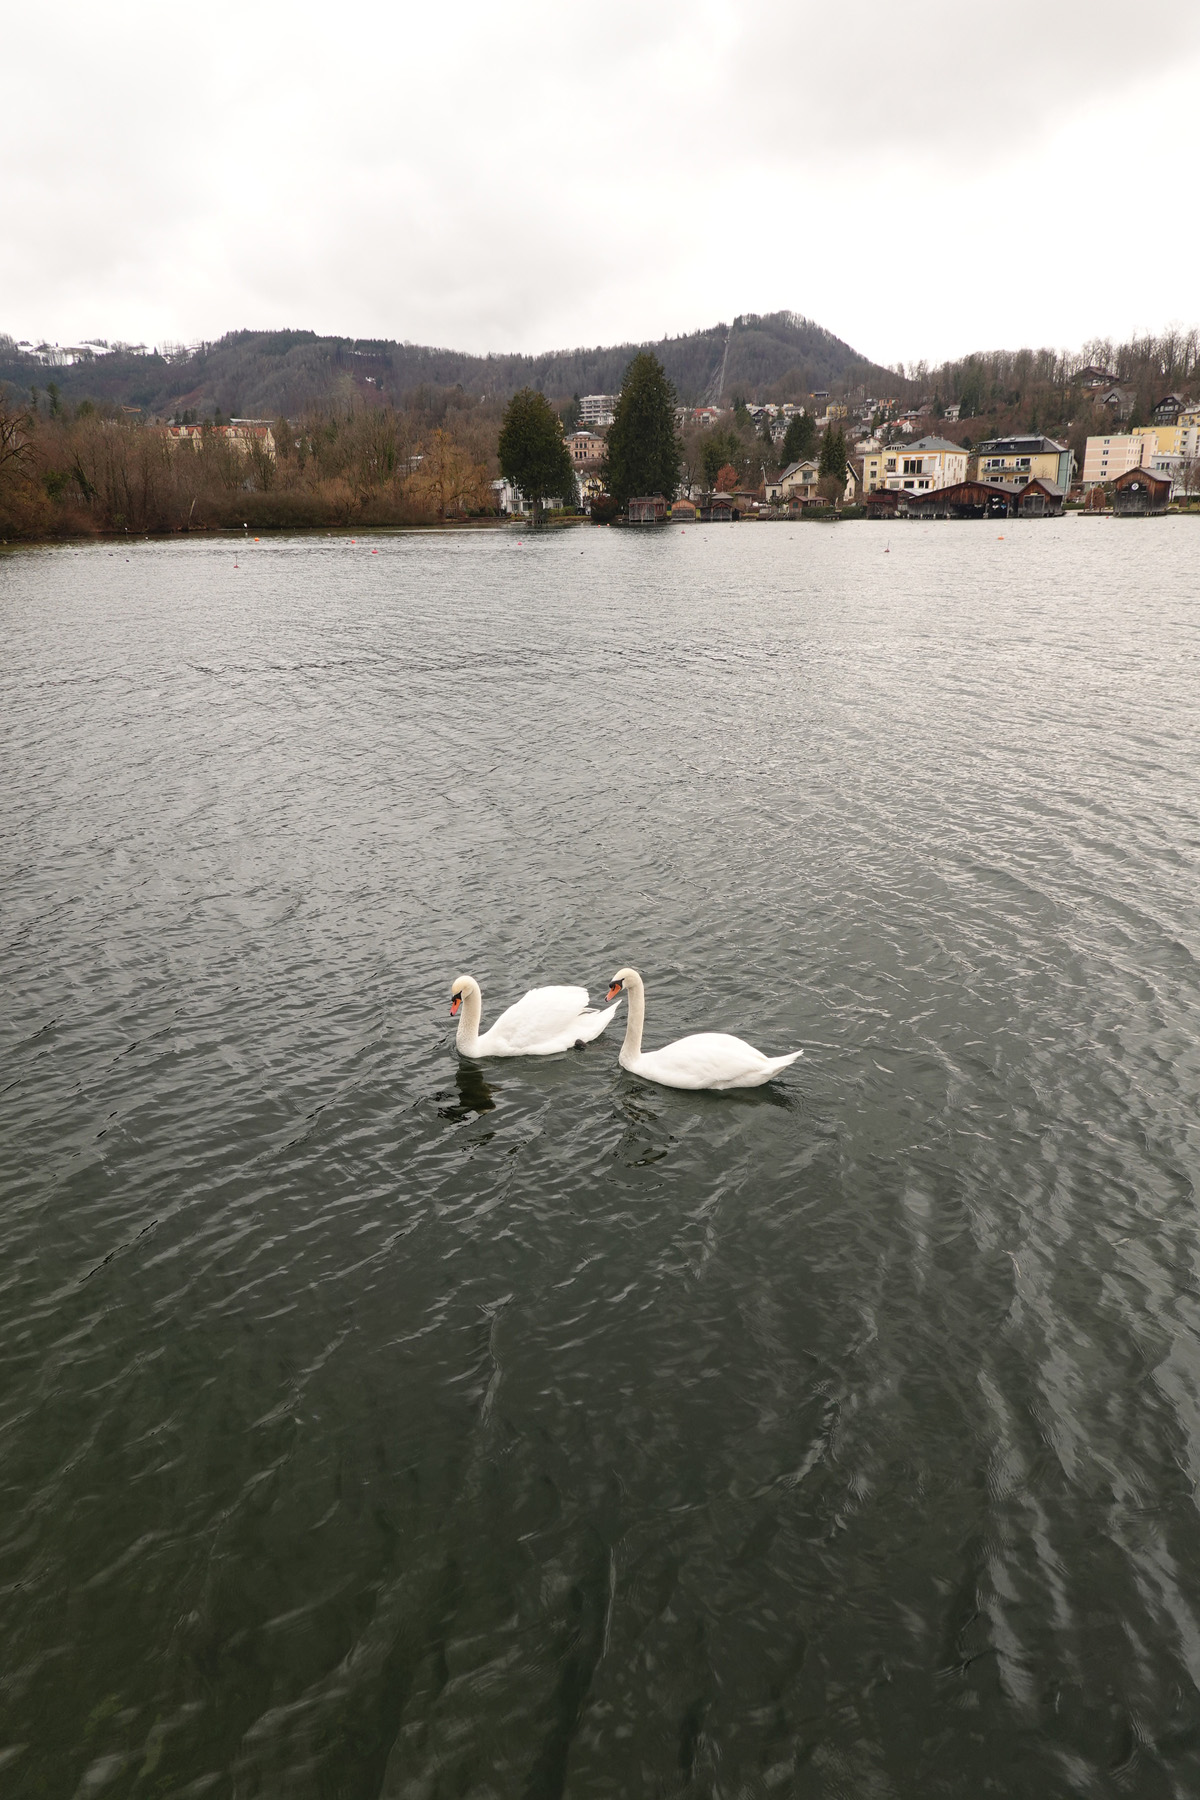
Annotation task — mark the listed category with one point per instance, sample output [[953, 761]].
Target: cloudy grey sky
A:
[[924, 180]]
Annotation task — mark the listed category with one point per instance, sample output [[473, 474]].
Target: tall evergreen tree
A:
[[532, 453], [833, 453], [800, 439], [643, 451]]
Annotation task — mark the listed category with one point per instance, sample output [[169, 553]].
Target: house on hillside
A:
[[1119, 402], [1168, 409], [586, 448]]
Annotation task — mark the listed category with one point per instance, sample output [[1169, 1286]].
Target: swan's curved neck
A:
[[635, 1000], [467, 1035]]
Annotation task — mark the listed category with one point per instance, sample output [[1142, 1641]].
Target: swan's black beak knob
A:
[[455, 1004], [616, 988]]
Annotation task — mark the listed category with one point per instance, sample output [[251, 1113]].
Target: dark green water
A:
[[375, 1425]]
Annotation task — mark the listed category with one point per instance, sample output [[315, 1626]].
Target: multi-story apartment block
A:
[[930, 463], [598, 409], [1105, 458], [1182, 438], [1025, 459]]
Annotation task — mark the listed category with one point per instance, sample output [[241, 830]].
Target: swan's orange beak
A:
[[618, 987], [455, 1005]]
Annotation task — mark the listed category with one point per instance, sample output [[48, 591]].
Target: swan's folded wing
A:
[[708, 1059], [541, 1014]]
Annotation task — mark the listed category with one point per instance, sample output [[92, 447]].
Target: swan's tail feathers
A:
[[593, 1022], [778, 1063]]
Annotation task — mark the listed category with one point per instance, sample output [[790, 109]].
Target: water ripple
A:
[[380, 1423]]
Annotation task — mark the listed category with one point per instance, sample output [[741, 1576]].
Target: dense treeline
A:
[[1053, 392], [74, 471], [268, 373], [777, 356]]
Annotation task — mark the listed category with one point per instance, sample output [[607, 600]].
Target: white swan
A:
[[544, 1020], [710, 1059]]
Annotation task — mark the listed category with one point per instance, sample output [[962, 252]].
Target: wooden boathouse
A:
[[1036, 499], [647, 509], [717, 509], [1138, 493]]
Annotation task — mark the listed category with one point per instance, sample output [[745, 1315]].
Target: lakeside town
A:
[[893, 465], [1008, 434]]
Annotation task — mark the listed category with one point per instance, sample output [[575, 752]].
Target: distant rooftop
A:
[[1021, 446]]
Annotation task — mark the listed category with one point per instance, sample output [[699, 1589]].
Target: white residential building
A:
[[598, 409], [506, 498], [930, 463]]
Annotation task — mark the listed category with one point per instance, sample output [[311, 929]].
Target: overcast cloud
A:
[[922, 180]]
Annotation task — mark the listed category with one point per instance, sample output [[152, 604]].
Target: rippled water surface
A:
[[373, 1423]]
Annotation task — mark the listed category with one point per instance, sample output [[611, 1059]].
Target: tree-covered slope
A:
[[268, 373]]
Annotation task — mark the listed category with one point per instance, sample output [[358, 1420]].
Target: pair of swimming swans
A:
[[550, 1019]]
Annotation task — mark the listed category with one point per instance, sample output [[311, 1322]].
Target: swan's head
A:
[[621, 980], [463, 985]]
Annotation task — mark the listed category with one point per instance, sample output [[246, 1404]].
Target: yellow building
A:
[[929, 463], [1024, 459], [1181, 439]]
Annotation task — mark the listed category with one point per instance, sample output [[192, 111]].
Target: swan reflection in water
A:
[[474, 1094]]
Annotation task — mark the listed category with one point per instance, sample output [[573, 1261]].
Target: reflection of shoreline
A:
[[474, 1094]]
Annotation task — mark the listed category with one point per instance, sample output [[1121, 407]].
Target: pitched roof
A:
[[1131, 477], [932, 443]]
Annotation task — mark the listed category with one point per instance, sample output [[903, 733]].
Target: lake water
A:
[[374, 1424]]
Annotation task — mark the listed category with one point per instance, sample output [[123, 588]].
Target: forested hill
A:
[[265, 374]]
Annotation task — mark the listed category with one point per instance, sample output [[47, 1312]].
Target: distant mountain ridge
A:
[[271, 373]]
